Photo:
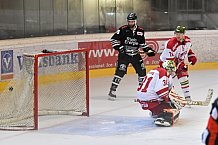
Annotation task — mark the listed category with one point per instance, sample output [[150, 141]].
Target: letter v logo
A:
[[7, 61]]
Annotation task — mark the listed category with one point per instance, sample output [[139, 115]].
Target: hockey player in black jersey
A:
[[127, 40]]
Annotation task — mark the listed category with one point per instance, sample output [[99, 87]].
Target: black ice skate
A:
[[112, 95]]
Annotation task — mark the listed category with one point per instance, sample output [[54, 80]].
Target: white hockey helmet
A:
[[169, 65]]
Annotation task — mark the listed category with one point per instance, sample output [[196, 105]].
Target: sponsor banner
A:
[[102, 55], [12, 60], [7, 64]]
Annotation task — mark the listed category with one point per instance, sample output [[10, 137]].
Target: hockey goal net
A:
[[48, 84]]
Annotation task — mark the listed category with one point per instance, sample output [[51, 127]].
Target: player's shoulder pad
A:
[[187, 39], [162, 72], [171, 43], [140, 28], [123, 27]]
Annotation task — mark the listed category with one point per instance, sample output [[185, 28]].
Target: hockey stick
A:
[[205, 102]]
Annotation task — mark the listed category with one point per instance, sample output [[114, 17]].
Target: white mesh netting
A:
[[62, 89]]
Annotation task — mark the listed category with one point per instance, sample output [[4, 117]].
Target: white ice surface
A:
[[121, 122]]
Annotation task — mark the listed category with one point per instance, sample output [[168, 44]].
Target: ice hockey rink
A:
[[122, 122]]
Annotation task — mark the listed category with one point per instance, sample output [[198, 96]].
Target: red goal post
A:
[[53, 83]]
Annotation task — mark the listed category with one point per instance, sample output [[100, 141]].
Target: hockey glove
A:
[[44, 51], [181, 68], [191, 57], [48, 51], [149, 51]]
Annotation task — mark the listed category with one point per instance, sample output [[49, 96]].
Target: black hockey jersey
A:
[[132, 40]]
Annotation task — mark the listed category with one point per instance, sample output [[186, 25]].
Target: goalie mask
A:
[[169, 65], [131, 19]]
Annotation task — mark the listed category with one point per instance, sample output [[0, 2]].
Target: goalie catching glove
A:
[[149, 51]]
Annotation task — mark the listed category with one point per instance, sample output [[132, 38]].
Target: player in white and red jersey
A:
[[153, 94], [178, 48]]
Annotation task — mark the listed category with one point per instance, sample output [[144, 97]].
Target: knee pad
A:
[[121, 70]]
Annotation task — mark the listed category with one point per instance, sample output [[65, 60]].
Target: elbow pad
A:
[[191, 57]]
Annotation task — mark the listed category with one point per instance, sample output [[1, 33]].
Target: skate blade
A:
[[111, 98]]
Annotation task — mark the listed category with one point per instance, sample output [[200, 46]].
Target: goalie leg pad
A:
[[177, 100], [159, 108], [167, 118], [175, 114]]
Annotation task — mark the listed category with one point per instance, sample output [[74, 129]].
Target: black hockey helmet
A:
[[180, 29], [131, 16]]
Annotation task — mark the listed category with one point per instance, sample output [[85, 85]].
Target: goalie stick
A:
[[205, 102], [193, 102]]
